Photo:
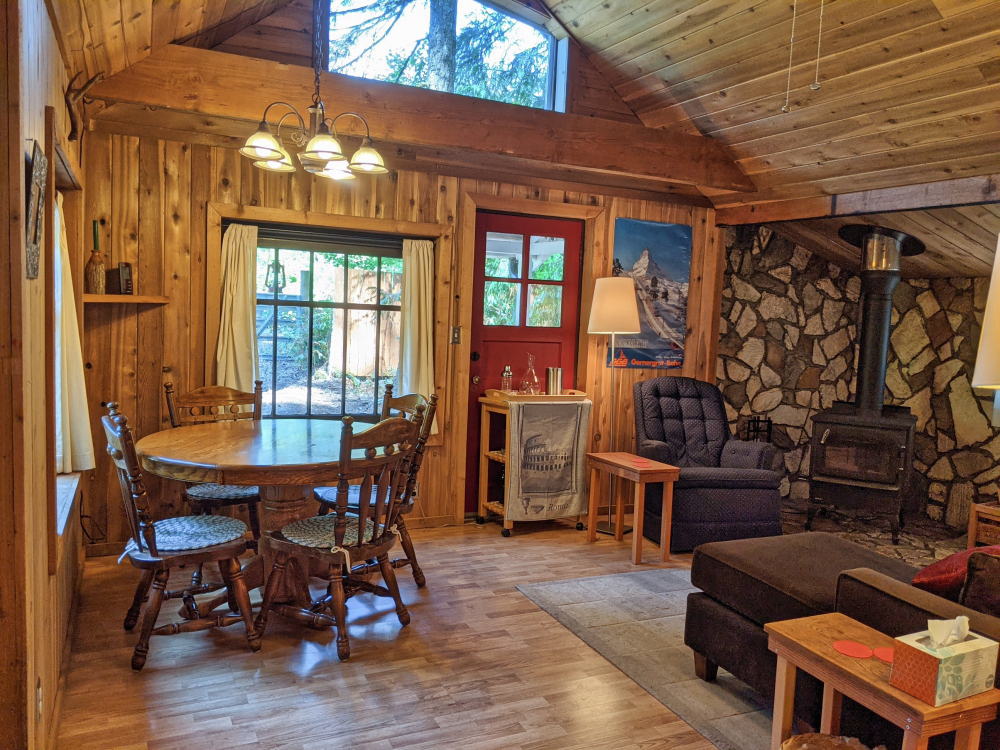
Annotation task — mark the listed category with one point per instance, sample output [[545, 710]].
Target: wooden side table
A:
[[807, 643], [641, 472], [984, 524]]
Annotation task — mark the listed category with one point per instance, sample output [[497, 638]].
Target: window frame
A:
[[346, 249], [558, 71]]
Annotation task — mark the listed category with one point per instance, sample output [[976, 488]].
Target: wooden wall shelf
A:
[[125, 299]]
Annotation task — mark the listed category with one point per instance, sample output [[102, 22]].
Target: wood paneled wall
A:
[[34, 605], [150, 198]]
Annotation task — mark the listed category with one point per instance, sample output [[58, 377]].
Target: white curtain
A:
[[416, 340], [74, 440], [236, 355]]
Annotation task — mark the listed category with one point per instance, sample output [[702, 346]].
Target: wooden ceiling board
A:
[[910, 90], [961, 240], [110, 35]]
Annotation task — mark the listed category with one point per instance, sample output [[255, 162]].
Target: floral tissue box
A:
[[946, 674]]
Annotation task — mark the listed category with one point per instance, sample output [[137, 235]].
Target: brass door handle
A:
[[475, 380]]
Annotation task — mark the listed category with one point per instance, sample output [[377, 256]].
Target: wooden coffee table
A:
[[641, 472], [806, 644]]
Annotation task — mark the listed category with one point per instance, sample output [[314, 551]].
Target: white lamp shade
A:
[[614, 309], [987, 372]]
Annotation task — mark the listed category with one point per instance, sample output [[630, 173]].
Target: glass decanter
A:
[[529, 383]]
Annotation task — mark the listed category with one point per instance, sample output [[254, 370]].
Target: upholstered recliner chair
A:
[[728, 488]]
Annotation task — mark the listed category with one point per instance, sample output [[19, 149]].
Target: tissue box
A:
[[944, 675]]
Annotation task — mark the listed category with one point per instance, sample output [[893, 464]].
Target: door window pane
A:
[[292, 360], [544, 305], [391, 281], [293, 266], [265, 272], [328, 273], [501, 303], [545, 258], [503, 255], [328, 358], [362, 279]]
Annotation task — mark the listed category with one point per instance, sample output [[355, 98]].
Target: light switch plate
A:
[[456, 335]]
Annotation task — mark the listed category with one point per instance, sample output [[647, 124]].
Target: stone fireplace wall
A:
[[788, 346]]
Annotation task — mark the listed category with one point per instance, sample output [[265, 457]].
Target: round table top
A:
[[269, 452]]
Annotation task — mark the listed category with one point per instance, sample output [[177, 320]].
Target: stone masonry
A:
[[788, 347]]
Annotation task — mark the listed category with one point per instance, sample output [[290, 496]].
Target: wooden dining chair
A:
[[216, 403], [327, 496], [156, 548], [341, 540]]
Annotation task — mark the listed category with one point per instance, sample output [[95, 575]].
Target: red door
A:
[[526, 300]]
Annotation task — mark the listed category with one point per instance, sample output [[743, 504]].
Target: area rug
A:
[[636, 621]]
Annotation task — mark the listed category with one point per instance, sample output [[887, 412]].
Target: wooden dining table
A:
[[284, 457]]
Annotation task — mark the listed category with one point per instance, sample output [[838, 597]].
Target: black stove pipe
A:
[[876, 315], [881, 251]]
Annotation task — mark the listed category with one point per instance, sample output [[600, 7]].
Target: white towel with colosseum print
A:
[[546, 467]]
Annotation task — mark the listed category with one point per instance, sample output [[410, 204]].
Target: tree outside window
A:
[[457, 46]]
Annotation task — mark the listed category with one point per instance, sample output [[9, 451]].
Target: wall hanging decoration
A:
[[658, 259], [36, 210], [93, 272]]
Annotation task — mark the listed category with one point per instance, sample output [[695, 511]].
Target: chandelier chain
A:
[[317, 46], [791, 49]]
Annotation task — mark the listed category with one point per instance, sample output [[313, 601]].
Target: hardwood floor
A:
[[480, 666]]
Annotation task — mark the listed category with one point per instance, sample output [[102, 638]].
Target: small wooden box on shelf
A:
[[984, 524], [494, 447]]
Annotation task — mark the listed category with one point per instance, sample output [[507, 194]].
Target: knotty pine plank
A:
[[203, 161]]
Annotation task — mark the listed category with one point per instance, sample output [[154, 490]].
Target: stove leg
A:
[[894, 528], [810, 515]]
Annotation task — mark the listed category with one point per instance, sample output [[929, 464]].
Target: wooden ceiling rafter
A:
[[213, 84]]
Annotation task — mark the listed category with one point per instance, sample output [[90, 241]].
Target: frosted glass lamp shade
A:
[[337, 170], [614, 309], [323, 146], [367, 160], [261, 145], [987, 372]]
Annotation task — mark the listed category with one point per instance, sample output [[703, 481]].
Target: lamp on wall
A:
[[322, 153], [987, 372], [613, 311]]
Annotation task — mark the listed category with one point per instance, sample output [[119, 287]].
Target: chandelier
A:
[[321, 150]]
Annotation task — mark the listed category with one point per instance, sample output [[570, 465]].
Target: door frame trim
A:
[[594, 220]]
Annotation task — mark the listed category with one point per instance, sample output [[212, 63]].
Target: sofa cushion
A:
[[981, 591], [946, 577], [784, 577], [729, 479]]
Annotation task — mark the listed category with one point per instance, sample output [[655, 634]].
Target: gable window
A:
[[459, 46], [328, 322]]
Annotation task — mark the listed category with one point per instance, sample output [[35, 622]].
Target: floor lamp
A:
[[987, 371], [614, 310]]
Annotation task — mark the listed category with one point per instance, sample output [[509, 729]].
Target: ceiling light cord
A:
[[791, 49], [819, 44]]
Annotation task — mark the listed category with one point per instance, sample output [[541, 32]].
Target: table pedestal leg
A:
[[784, 703], [279, 506]]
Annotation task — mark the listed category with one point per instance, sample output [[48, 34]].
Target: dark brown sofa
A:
[[750, 582]]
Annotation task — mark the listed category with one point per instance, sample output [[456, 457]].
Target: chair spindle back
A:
[[121, 448], [213, 403], [406, 405], [383, 470], [418, 452]]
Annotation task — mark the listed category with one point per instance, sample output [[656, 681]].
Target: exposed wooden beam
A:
[[208, 38], [966, 191], [190, 127], [218, 84]]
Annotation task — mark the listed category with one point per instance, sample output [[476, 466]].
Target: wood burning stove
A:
[[862, 451]]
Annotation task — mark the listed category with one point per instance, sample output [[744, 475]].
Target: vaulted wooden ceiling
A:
[[109, 35], [960, 240], [909, 91]]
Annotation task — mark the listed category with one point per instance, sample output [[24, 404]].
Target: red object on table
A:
[[853, 648], [885, 654]]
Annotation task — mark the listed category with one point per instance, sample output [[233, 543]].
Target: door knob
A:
[[475, 380]]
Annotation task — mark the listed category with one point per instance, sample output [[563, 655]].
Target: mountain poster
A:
[[658, 258]]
